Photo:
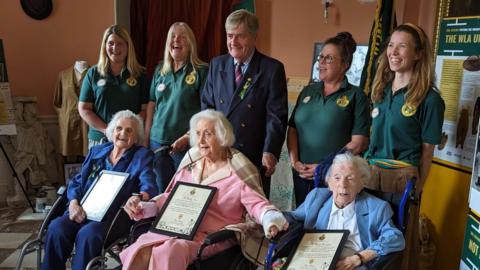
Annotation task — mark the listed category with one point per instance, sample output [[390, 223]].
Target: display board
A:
[[7, 111], [457, 67]]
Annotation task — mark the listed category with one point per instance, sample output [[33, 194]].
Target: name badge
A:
[[408, 110], [375, 112], [307, 99], [161, 87], [131, 81], [101, 82], [343, 101]]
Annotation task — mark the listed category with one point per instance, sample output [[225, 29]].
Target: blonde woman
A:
[[116, 83], [174, 98], [407, 118]]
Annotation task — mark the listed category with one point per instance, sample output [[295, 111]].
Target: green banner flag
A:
[[383, 24]]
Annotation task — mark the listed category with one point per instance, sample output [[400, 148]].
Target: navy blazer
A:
[[259, 120], [137, 161]]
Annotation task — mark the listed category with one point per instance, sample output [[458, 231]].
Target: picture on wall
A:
[[70, 170], [353, 74]]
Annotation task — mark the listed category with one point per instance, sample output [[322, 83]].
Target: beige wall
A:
[[288, 29], [37, 50]]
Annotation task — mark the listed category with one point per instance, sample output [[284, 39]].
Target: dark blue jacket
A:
[[259, 120], [137, 161]]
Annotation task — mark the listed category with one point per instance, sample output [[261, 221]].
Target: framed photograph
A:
[[184, 209], [317, 250], [70, 170], [353, 74], [101, 194]]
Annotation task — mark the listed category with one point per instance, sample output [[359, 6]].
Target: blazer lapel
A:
[[253, 73], [361, 210], [227, 80]]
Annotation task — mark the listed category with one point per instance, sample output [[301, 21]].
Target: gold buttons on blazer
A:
[[249, 106], [243, 125]]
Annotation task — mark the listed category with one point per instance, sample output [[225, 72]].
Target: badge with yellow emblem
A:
[[190, 78], [131, 81], [408, 110], [343, 101]]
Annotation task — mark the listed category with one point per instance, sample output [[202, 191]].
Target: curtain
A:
[[151, 19]]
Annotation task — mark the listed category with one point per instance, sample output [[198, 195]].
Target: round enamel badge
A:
[[306, 99], [101, 82], [375, 112], [343, 101], [408, 110], [131, 81], [161, 87], [190, 78]]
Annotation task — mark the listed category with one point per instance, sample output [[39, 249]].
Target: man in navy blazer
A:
[[250, 89]]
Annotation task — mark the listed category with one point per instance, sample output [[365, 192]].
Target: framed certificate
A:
[[184, 209], [101, 194], [317, 250]]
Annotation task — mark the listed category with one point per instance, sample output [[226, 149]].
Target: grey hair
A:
[[223, 128], [242, 16], [139, 129], [360, 164]]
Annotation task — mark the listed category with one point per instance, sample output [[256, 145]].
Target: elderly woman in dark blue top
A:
[[123, 153], [345, 206]]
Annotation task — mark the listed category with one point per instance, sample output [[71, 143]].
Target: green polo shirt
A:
[[399, 137], [325, 124], [111, 94], [177, 99]]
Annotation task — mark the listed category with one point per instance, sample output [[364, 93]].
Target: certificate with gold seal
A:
[[183, 210], [317, 250]]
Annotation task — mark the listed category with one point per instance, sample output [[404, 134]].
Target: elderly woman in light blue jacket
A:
[[345, 206]]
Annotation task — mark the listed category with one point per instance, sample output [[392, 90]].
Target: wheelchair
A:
[[400, 203], [58, 209], [230, 259]]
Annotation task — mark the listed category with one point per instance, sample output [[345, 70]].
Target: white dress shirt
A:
[[346, 219]]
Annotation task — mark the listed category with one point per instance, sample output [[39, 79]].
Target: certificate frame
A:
[[96, 201], [336, 238], [184, 201]]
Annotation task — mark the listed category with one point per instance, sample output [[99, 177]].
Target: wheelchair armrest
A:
[[218, 236], [385, 262], [294, 229], [61, 190]]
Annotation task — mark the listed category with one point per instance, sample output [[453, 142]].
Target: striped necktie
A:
[[238, 74]]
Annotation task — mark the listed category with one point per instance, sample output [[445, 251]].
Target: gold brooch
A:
[[131, 81], [343, 101], [408, 110], [190, 78]]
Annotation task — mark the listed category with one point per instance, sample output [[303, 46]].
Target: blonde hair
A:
[[192, 57], [423, 75], [242, 16], [131, 64]]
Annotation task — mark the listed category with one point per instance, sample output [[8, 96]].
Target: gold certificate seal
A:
[[190, 78], [408, 110], [343, 101], [131, 81]]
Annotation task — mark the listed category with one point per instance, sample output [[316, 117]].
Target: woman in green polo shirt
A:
[[407, 118], [174, 98], [116, 83], [328, 116]]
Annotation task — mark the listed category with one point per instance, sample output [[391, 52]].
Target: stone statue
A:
[[34, 152]]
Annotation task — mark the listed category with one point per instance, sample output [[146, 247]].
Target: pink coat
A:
[[232, 199]]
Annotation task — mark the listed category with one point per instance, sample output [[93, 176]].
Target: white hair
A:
[[358, 162], [223, 128], [139, 129]]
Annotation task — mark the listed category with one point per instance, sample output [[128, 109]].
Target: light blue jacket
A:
[[374, 219]]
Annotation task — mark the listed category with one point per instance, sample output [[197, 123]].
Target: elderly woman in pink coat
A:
[[210, 162]]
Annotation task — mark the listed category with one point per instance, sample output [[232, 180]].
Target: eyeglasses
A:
[[328, 58]]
